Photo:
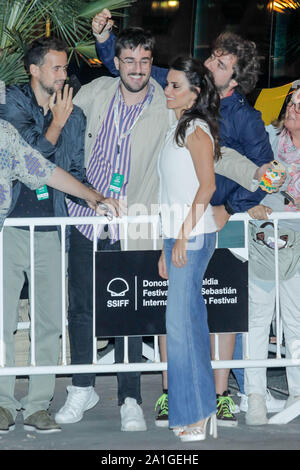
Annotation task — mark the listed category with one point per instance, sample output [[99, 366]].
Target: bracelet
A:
[[229, 209], [98, 36]]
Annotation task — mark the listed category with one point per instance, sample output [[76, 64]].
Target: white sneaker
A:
[[243, 406], [257, 410], [273, 404], [132, 418], [79, 400]]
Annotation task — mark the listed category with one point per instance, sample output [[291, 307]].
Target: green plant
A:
[[22, 21]]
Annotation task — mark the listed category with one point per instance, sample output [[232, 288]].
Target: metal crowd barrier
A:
[[155, 364]]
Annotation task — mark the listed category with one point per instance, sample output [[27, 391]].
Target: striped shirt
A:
[[111, 154]]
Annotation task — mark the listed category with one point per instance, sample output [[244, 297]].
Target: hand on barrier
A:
[[260, 212], [111, 207], [93, 198]]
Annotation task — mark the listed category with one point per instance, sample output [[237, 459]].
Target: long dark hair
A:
[[207, 103]]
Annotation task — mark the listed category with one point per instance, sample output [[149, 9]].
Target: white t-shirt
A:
[[179, 184]]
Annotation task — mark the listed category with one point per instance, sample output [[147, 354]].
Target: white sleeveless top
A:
[[179, 184]]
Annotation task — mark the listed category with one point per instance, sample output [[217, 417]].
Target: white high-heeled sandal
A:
[[178, 430], [198, 433]]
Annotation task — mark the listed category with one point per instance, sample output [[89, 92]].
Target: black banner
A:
[[131, 297], [225, 291]]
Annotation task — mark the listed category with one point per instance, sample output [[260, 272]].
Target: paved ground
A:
[[100, 428]]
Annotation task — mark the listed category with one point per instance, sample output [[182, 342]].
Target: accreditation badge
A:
[[116, 182], [42, 193]]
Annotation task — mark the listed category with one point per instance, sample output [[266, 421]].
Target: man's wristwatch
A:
[[229, 209]]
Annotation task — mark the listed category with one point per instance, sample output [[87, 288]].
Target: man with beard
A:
[[44, 115], [120, 113]]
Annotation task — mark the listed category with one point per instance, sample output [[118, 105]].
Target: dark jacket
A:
[[23, 112], [241, 128]]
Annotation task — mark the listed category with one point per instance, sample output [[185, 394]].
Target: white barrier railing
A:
[[97, 367]]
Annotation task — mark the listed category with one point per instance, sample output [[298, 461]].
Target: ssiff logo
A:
[[118, 287]]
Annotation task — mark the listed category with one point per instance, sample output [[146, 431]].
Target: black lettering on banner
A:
[[131, 297]]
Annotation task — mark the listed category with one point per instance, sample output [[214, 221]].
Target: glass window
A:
[[170, 21], [190, 26]]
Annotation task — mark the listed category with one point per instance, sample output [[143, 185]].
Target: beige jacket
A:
[[146, 139]]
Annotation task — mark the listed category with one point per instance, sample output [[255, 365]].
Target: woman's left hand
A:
[[179, 258], [260, 212]]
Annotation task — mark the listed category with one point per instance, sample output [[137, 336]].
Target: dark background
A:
[[190, 26]]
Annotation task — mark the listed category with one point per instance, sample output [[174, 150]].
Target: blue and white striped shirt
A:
[[106, 160]]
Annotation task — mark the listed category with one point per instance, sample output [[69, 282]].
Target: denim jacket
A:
[[23, 112]]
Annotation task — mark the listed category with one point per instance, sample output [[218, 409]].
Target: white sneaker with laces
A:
[[273, 404], [132, 418], [79, 400]]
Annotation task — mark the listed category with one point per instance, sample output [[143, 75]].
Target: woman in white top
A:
[[187, 183]]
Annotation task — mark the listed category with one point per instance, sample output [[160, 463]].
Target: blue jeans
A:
[[192, 394], [81, 318]]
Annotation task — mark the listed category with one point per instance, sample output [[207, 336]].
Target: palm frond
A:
[[92, 8], [22, 21], [86, 50], [12, 69]]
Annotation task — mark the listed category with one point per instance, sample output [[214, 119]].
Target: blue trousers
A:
[[191, 386]]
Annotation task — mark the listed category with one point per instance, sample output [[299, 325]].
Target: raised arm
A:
[[236, 167], [32, 169], [243, 171], [105, 46]]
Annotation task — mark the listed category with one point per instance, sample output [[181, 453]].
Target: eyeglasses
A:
[[130, 63], [296, 106]]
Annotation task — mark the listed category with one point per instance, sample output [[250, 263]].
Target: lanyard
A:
[[123, 135]]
